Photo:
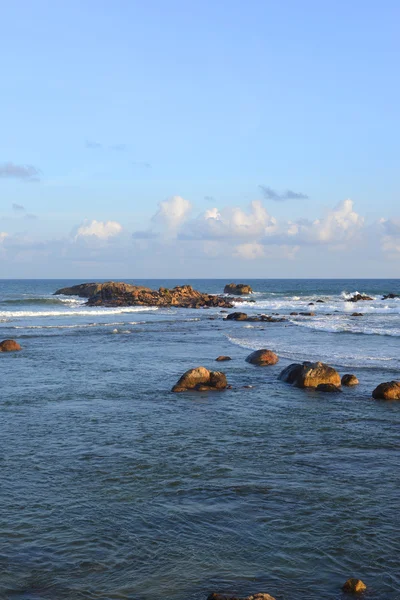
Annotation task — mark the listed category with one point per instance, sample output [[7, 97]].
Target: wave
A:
[[80, 326], [346, 327], [78, 312], [41, 301]]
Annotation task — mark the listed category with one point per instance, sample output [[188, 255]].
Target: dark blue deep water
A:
[[114, 488]]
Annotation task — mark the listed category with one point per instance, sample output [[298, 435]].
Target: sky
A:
[[199, 139]]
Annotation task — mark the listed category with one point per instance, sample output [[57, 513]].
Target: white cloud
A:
[[3, 236], [172, 213], [250, 251], [102, 230], [390, 235]]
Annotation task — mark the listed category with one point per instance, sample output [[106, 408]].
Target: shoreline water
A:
[[123, 491]]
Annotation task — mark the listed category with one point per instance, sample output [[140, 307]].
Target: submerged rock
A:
[[387, 391], [9, 346], [223, 358], [262, 358], [354, 586], [201, 379], [310, 374], [237, 316], [114, 293], [349, 380], [237, 289], [259, 596], [328, 387]]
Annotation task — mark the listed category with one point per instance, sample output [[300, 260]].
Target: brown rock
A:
[[260, 596], [310, 374], [349, 380], [390, 296], [356, 314], [262, 358], [327, 387], [200, 379], [294, 314], [358, 298], [237, 316], [238, 289], [307, 314], [354, 586], [9, 346], [387, 391], [223, 358]]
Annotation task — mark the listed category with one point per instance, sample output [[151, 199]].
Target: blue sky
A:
[[136, 136]]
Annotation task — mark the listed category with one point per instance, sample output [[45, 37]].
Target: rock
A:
[[349, 380], [387, 391], [311, 304], [237, 316], [201, 379], [327, 387], [262, 358], [307, 314], [321, 301], [310, 374], [238, 289], [294, 314], [114, 293], [223, 358], [390, 296], [354, 586], [356, 314], [358, 298], [259, 596], [9, 346]]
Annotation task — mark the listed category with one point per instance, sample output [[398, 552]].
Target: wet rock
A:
[[310, 374], [223, 358], [9, 346], [259, 596], [262, 358], [237, 289], [321, 301], [354, 586], [294, 314], [358, 298], [356, 314], [328, 387], [237, 316], [311, 304], [387, 391], [307, 314], [349, 380], [390, 296], [201, 379]]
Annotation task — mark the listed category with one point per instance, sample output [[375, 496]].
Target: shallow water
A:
[[114, 488]]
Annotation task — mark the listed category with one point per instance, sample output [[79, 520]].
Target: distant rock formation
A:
[[122, 294], [387, 391], [202, 380], [390, 296], [9, 346], [358, 298], [310, 374], [238, 289]]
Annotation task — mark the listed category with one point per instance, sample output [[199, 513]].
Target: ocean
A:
[[114, 488]]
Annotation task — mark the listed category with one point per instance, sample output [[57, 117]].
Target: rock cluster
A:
[[241, 316], [358, 297], [238, 289], [9, 346], [201, 379], [122, 294]]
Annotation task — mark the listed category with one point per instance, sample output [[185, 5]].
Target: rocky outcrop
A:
[[387, 391], [262, 358], [310, 374], [390, 296], [354, 586], [358, 298], [202, 380], [259, 596], [328, 388], [356, 314], [237, 316], [223, 358], [238, 289], [349, 380], [9, 346], [123, 294]]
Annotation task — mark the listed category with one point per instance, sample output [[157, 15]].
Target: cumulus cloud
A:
[[231, 223], [22, 172], [270, 194], [102, 230], [390, 236], [172, 213]]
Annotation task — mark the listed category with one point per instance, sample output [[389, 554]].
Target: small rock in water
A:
[[349, 380], [327, 387], [389, 390], [222, 358], [262, 358], [201, 379], [237, 316], [356, 314], [9, 346], [259, 596], [354, 586]]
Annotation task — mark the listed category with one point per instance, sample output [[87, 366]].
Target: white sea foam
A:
[[87, 312]]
